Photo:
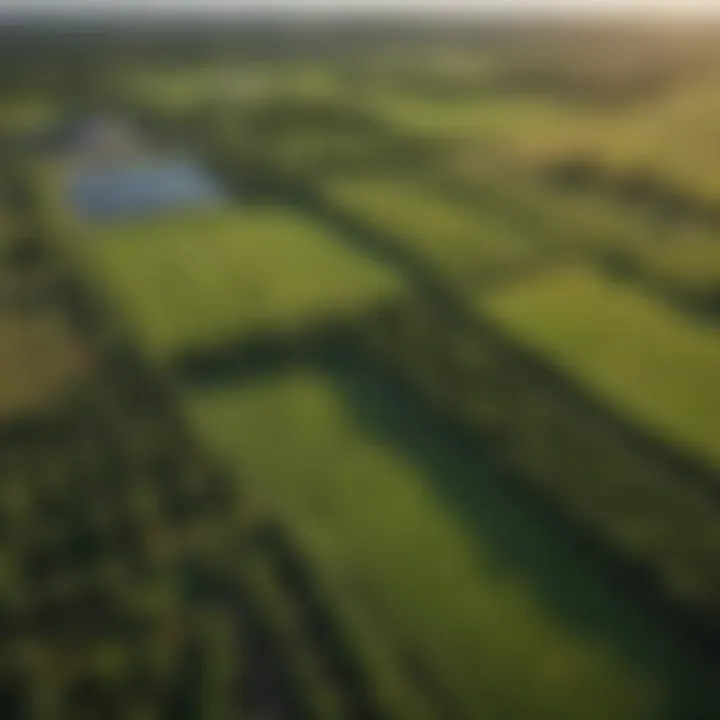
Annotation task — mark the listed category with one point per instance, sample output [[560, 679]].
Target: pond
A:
[[141, 188]]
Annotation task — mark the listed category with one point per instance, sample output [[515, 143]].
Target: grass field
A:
[[189, 280], [503, 114], [453, 237], [530, 127], [363, 480], [689, 264], [179, 89], [674, 135], [577, 221], [653, 365]]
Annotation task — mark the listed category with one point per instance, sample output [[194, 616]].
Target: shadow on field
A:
[[514, 532], [523, 540]]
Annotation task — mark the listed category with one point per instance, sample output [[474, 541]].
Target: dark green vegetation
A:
[[421, 427], [136, 576]]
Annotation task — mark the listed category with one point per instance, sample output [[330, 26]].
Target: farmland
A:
[[449, 236], [652, 110], [257, 269], [413, 415], [689, 266], [657, 367], [360, 508]]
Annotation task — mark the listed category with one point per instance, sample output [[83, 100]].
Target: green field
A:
[[690, 264], [579, 222], [651, 364], [453, 237], [363, 480], [526, 124], [673, 136], [197, 279]]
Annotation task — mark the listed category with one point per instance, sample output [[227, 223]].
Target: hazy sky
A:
[[650, 6]]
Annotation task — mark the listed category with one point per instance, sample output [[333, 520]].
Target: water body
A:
[[142, 188]]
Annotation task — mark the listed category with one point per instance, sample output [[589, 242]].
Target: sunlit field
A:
[[216, 276], [655, 365], [454, 238], [372, 511]]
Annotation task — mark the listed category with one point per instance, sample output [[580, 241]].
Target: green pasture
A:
[[183, 87], [690, 263], [180, 88], [456, 238], [506, 116], [201, 278], [654, 365], [674, 136], [496, 614], [528, 128]]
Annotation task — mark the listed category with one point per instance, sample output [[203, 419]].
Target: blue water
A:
[[145, 188]]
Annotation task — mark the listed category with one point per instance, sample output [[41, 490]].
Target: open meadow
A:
[[444, 560], [210, 277], [651, 363]]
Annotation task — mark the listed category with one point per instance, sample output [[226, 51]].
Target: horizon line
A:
[[164, 9]]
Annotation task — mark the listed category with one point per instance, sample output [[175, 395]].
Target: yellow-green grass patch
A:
[[198, 278], [689, 263], [652, 364], [458, 240]]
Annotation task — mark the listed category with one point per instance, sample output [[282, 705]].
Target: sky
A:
[[439, 6]]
